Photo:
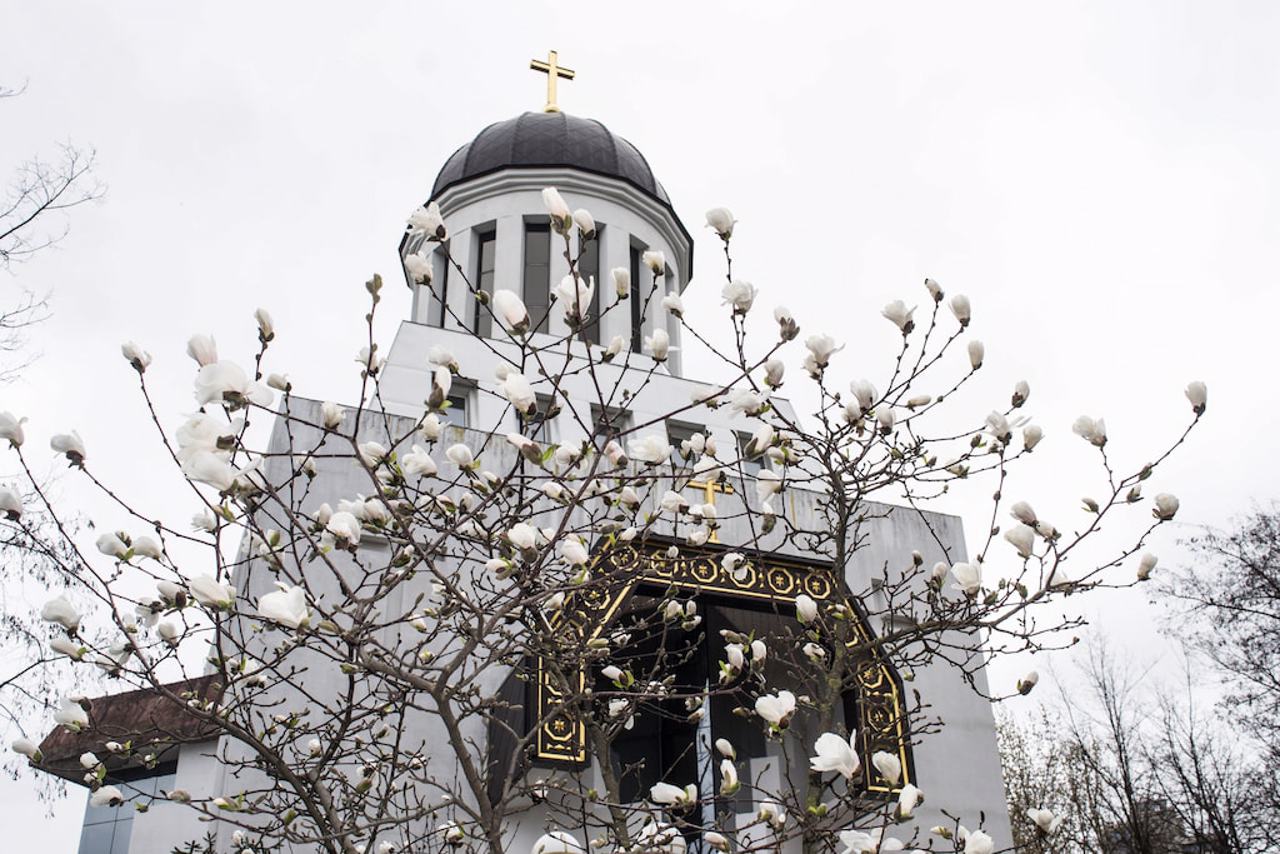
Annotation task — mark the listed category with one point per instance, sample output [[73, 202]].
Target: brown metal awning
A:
[[146, 718]]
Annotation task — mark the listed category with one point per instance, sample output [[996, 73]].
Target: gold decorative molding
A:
[[882, 720]]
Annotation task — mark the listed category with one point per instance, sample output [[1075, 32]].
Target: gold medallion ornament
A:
[[774, 579]]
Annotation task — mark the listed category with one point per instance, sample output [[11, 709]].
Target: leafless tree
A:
[[459, 563]]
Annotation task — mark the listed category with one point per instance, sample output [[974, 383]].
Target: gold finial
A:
[[553, 71]]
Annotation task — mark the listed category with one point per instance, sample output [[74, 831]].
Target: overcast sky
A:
[[1100, 178]]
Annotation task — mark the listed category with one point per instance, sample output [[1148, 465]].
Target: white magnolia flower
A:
[[888, 765], [28, 748], [64, 645], [557, 842], [908, 799], [652, 449], [777, 709], [1046, 822], [428, 221], [169, 632], [735, 656], [106, 796], [60, 610], [822, 348], [1198, 393], [136, 356], [88, 761], [612, 672], [71, 715], [861, 841], [976, 353], [517, 389], [773, 372], [1093, 430], [961, 309], [673, 502], [673, 796], [287, 606], [510, 311], [768, 483], [1023, 512], [11, 429], [934, 289], [1145, 564], [836, 753], [1031, 436], [279, 382], [69, 444], [978, 842], [739, 296], [998, 427], [968, 578], [772, 813], [371, 453], [658, 344], [718, 841], [673, 304], [574, 296], [885, 418], [898, 314], [658, 837], [418, 267], [460, 455], [864, 393], [1028, 682], [813, 652], [344, 527], [721, 219], [331, 415], [226, 382], [655, 261], [615, 347], [1022, 537], [1166, 506], [573, 552], [418, 463], [729, 783], [112, 546], [523, 536], [585, 221], [210, 592], [558, 210], [1021, 391], [146, 547], [806, 608], [203, 349], [621, 282]]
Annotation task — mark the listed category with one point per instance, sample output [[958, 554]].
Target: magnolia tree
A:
[[342, 631]]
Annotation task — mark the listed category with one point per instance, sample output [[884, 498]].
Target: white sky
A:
[[1099, 178]]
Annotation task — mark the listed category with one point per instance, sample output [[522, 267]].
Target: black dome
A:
[[550, 139]]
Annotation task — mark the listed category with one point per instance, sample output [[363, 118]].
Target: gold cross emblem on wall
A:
[[553, 70], [709, 489]]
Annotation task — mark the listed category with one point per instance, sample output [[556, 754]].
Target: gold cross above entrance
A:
[[553, 71], [709, 489]]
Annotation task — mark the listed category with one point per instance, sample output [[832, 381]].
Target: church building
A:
[[490, 193]]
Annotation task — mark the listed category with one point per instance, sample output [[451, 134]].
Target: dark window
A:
[[440, 288], [749, 465], [608, 423], [456, 412], [486, 259], [108, 830], [589, 268], [637, 313], [537, 273], [663, 745], [677, 433]]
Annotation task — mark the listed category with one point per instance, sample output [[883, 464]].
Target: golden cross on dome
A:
[[709, 489], [553, 71]]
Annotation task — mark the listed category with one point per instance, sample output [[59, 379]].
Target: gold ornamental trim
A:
[[882, 719]]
